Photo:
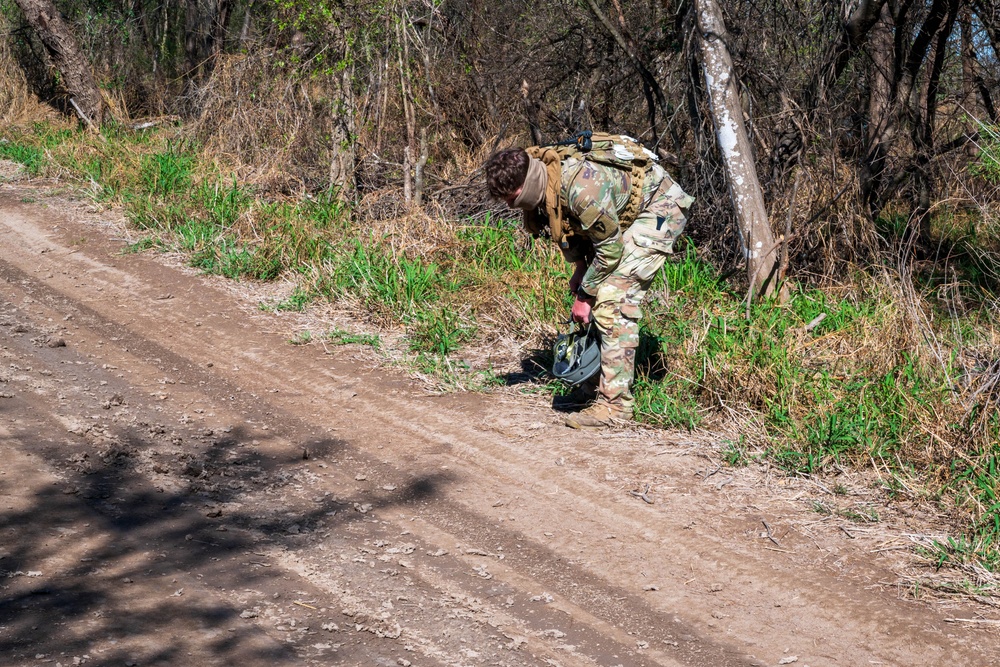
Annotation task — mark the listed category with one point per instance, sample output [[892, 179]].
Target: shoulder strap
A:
[[552, 159], [631, 212], [614, 150]]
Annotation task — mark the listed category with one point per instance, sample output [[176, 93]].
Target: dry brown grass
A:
[[271, 127], [18, 103]]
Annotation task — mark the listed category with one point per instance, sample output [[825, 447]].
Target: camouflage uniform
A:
[[622, 264]]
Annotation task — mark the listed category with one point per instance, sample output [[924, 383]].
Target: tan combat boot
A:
[[598, 415]]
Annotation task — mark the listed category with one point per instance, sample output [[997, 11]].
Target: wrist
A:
[[582, 295]]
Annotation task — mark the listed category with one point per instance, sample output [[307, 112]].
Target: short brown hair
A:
[[506, 171]]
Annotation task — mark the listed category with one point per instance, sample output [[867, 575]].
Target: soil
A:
[[179, 485]]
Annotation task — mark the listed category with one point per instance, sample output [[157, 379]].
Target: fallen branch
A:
[[79, 112]]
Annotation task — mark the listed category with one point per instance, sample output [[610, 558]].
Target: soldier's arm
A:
[[591, 201]]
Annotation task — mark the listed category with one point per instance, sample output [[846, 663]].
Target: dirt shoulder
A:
[[182, 486]]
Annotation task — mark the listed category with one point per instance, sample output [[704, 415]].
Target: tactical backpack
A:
[[615, 150]]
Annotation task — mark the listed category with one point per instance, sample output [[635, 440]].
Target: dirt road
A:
[[180, 486]]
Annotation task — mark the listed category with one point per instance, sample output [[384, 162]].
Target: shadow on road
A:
[[111, 564]]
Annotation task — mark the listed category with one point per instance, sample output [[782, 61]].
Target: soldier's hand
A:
[[581, 309]]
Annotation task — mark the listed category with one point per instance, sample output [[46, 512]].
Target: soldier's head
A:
[[505, 173], [516, 178]]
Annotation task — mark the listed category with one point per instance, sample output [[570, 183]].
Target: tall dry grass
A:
[[281, 128], [18, 102]]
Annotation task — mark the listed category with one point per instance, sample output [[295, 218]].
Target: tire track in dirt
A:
[[140, 352], [553, 521], [135, 359]]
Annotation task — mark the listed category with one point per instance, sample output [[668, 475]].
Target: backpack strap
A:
[[631, 212], [582, 146], [638, 166], [554, 203]]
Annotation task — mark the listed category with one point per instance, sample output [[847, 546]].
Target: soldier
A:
[[615, 213]]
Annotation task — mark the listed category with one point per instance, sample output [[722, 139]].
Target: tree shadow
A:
[[88, 564]]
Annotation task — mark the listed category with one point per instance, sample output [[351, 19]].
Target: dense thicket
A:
[[876, 107]]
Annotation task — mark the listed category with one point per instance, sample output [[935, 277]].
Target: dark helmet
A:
[[577, 355]]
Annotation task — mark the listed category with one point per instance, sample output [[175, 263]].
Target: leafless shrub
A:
[[272, 125]]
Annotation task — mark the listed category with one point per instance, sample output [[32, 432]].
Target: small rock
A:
[[248, 613], [789, 660], [715, 588], [294, 529], [651, 587], [56, 342], [330, 627], [361, 477], [194, 469], [403, 662]]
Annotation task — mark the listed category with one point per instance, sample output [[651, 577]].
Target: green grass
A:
[[30, 156], [440, 331], [341, 337], [841, 394], [167, 172]]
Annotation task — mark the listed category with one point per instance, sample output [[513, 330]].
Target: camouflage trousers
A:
[[617, 310]]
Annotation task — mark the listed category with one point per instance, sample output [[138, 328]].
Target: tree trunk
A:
[[972, 80], [67, 57], [734, 145], [854, 31], [531, 113], [881, 118], [196, 31], [852, 37], [204, 34], [650, 87], [222, 13], [924, 130], [908, 100]]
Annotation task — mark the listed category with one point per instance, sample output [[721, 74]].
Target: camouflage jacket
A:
[[595, 194]]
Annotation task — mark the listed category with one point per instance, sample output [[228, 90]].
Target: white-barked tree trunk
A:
[[734, 146]]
